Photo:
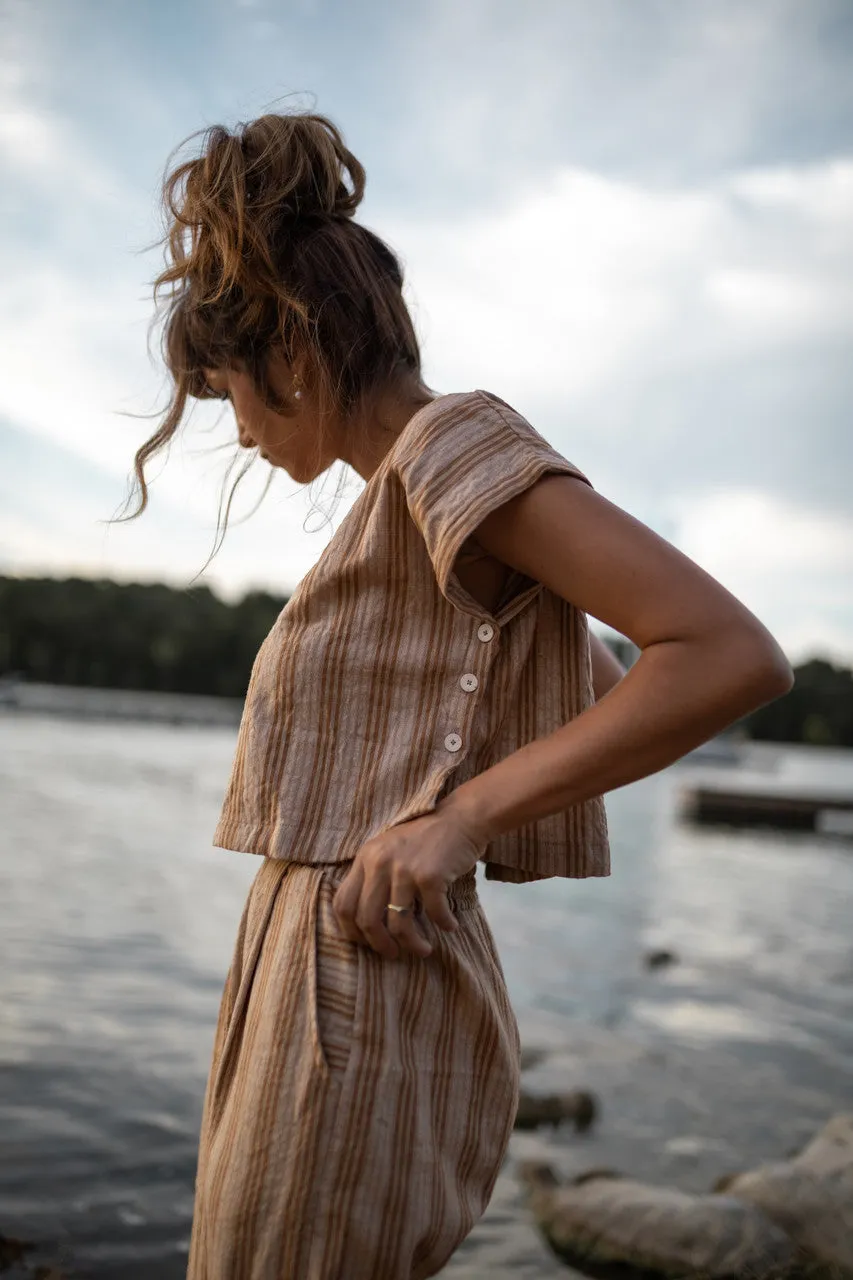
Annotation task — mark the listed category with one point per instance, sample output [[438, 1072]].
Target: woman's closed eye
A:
[[214, 385]]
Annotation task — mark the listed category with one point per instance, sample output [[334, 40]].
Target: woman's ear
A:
[[285, 374], [302, 370]]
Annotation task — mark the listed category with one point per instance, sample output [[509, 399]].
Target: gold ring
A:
[[402, 911]]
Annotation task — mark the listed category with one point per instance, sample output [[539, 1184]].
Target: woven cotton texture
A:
[[358, 1109], [355, 718]]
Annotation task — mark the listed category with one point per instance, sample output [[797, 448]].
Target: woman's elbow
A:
[[764, 673]]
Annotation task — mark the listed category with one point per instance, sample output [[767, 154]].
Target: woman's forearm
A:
[[677, 695]]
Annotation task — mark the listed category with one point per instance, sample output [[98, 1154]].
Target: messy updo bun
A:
[[263, 256]]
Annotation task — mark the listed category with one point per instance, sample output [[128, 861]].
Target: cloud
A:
[[28, 140], [497, 92], [55, 508], [793, 564], [633, 226], [655, 336], [581, 289], [667, 336], [586, 273]]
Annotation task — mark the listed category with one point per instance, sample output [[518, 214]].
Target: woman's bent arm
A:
[[705, 660]]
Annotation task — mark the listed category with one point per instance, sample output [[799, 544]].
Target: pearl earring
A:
[[297, 395]]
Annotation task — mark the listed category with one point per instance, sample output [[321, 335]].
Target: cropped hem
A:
[[330, 850]]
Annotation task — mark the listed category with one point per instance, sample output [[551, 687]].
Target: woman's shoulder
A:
[[453, 417]]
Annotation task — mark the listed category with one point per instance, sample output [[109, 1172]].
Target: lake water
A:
[[117, 921]]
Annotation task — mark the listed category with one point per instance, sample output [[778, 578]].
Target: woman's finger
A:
[[370, 914], [403, 926], [345, 904], [436, 904]]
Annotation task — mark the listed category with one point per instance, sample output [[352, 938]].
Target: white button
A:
[[485, 631], [469, 682], [453, 742]]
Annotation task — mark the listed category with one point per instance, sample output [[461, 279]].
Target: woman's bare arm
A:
[[705, 660]]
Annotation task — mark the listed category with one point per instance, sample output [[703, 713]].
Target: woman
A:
[[424, 701]]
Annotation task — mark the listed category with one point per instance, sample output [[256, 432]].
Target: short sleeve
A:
[[474, 453]]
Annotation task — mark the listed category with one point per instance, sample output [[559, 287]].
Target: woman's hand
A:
[[411, 865]]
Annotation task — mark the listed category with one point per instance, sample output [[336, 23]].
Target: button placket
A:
[[469, 683]]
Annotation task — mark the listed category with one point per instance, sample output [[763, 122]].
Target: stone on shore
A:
[[790, 1218], [578, 1107], [13, 1251], [809, 1196], [659, 959], [607, 1219]]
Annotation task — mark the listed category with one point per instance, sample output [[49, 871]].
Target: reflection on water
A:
[[698, 1020], [117, 920]]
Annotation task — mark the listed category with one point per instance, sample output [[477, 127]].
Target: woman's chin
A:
[[298, 471], [288, 468]]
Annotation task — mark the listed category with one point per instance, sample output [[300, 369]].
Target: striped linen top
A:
[[384, 684]]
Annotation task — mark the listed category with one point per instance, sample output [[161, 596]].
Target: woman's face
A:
[[292, 443]]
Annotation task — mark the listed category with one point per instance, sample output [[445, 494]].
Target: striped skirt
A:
[[358, 1109]]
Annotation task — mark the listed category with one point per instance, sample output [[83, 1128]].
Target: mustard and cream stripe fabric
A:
[[383, 682], [358, 1109]]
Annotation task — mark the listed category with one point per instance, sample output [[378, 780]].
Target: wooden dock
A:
[[748, 808], [755, 791]]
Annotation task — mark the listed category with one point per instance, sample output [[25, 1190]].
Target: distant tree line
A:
[[114, 635], [818, 710], [80, 631]]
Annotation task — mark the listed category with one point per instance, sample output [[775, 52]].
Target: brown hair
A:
[[263, 255]]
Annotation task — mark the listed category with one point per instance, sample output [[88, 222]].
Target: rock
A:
[[533, 1112], [585, 1108], [532, 1058], [589, 1175], [12, 1251], [605, 1220], [659, 959], [791, 1218], [809, 1196], [537, 1176], [579, 1106]]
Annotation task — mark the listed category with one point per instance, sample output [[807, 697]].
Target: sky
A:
[[629, 218]]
